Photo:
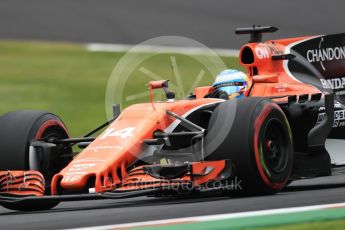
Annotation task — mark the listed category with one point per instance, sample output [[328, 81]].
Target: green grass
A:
[[69, 81], [334, 225]]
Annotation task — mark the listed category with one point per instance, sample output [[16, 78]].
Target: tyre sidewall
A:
[[265, 112], [238, 144]]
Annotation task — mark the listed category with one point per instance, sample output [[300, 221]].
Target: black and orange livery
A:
[[274, 135]]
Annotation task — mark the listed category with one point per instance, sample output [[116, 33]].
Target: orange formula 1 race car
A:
[[254, 145]]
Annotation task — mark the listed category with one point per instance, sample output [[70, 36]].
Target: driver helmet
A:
[[231, 82]]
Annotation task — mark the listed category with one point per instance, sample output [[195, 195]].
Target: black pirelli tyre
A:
[[17, 129], [255, 134]]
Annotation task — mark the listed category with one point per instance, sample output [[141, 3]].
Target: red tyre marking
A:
[[46, 125], [257, 125]]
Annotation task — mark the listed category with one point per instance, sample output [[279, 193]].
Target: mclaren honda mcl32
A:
[[274, 134]]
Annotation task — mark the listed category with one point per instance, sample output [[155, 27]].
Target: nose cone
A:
[[79, 174]]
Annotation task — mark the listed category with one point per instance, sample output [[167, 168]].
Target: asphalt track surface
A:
[[105, 212], [131, 22]]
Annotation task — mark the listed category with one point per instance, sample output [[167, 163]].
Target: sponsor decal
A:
[[325, 54], [281, 88], [339, 118], [337, 105], [265, 50], [90, 160], [71, 178], [262, 51], [80, 167], [96, 149], [324, 57], [122, 133], [333, 51], [333, 83]]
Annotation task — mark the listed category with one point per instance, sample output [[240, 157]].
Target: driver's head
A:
[[231, 83]]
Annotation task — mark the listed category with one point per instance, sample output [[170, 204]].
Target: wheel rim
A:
[[275, 147]]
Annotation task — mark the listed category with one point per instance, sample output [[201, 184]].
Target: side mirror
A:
[[162, 84], [159, 84]]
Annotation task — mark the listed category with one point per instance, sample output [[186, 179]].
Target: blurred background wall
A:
[[131, 21]]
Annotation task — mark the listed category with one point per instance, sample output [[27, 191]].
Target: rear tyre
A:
[[255, 134], [17, 129]]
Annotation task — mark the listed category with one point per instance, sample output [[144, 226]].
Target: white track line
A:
[[104, 47], [215, 217]]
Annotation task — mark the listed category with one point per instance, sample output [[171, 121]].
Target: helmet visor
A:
[[230, 87]]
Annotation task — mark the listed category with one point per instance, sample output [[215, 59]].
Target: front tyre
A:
[[255, 134], [17, 130]]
